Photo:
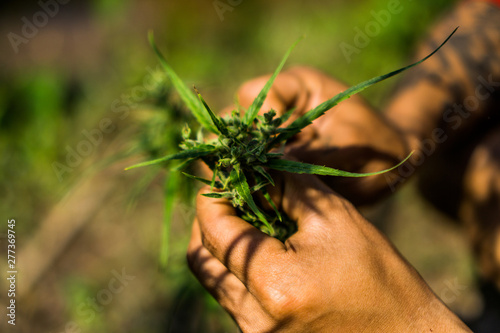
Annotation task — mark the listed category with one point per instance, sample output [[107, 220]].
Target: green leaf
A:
[[216, 120], [294, 130], [287, 115], [265, 174], [183, 165], [299, 167], [257, 187], [186, 154], [253, 110], [218, 195], [271, 202], [241, 185], [318, 111], [186, 94], [214, 175], [203, 180]]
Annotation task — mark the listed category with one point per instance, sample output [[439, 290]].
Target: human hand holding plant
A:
[[352, 137], [246, 143], [337, 273]]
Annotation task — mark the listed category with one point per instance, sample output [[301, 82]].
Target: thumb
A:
[[286, 92], [309, 202]]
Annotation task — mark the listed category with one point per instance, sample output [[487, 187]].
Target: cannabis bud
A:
[[246, 146]]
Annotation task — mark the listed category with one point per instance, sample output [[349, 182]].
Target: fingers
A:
[[224, 286], [243, 249], [300, 87], [307, 198], [321, 214], [286, 92]]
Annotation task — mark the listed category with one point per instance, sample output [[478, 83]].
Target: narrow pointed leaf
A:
[[295, 130], [186, 94], [186, 154], [318, 111], [265, 174], [203, 180], [183, 165], [241, 186], [214, 174], [271, 203], [253, 110], [216, 120], [287, 114], [218, 195], [299, 167], [258, 187]]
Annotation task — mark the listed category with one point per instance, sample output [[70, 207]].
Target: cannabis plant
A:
[[248, 143]]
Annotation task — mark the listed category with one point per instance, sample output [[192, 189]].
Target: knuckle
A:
[[281, 293], [283, 304], [252, 87]]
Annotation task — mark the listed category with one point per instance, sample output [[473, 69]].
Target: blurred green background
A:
[[83, 97]]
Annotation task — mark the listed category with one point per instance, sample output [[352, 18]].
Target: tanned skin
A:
[[457, 94], [338, 273]]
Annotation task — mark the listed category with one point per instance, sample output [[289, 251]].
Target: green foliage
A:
[[299, 167], [191, 102], [318, 111], [254, 109], [245, 147]]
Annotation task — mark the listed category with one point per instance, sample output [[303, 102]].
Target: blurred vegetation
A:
[[93, 56]]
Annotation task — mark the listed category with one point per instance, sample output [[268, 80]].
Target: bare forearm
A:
[[451, 92]]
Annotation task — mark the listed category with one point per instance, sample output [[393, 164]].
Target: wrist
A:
[[415, 307], [419, 312], [433, 316]]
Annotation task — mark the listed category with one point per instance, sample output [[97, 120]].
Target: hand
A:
[[350, 137], [336, 274], [455, 94]]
